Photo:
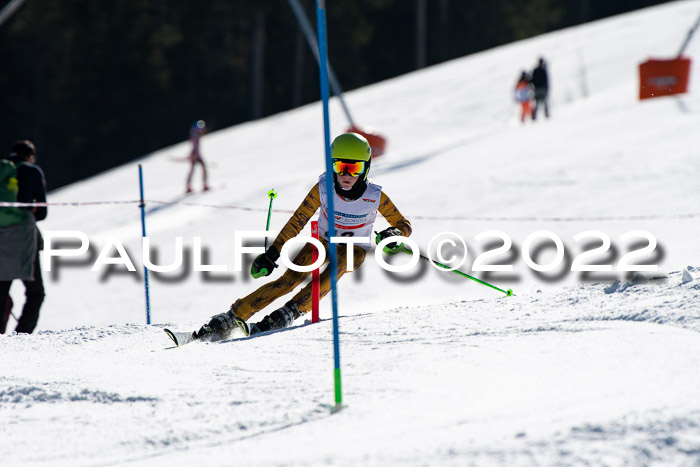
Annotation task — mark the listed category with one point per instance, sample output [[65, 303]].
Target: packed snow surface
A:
[[577, 368]]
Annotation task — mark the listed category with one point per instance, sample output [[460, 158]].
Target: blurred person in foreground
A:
[[30, 187]]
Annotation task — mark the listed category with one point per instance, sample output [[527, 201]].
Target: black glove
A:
[[265, 263], [393, 247]]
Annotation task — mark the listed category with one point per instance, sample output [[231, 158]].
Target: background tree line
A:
[[95, 84]]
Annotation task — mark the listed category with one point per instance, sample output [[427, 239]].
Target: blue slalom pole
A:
[[142, 205], [330, 190]]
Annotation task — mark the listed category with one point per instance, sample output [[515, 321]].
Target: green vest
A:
[[8, 192]]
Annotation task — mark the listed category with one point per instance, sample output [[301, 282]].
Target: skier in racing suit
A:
[[356, 203]]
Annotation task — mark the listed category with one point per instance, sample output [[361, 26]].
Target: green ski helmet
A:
[[352, 147]]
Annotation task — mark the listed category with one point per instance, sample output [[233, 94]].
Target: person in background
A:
[[31, 188], [197, 130], [540, 82], [523, 95]]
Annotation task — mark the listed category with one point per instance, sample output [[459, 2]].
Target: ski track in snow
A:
[[287, 382]]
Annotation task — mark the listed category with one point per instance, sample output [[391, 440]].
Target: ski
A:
[[237, 332], [183, 338], [180, 338]]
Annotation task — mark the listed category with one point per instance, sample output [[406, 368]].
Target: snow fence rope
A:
[[136, 201], [652, 217]]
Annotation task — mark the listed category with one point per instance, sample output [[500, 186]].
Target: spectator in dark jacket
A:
[[540, 81], [32, 188]]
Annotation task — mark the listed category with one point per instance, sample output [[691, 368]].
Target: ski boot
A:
[[221, 323], [278, 319]]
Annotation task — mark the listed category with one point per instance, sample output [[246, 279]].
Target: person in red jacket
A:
[[196, 131], [523, 95]]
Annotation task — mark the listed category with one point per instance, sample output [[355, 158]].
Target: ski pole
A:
[[264, 272], [272, 195], [405, 249]]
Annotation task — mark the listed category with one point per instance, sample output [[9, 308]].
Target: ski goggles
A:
[[353, 168]]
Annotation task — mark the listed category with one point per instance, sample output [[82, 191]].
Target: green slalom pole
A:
[[405, 249], [272, 194]]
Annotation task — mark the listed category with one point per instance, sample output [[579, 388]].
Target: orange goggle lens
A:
[[352, 168]]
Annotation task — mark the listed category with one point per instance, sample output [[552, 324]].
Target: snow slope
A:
[[576, 368]]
